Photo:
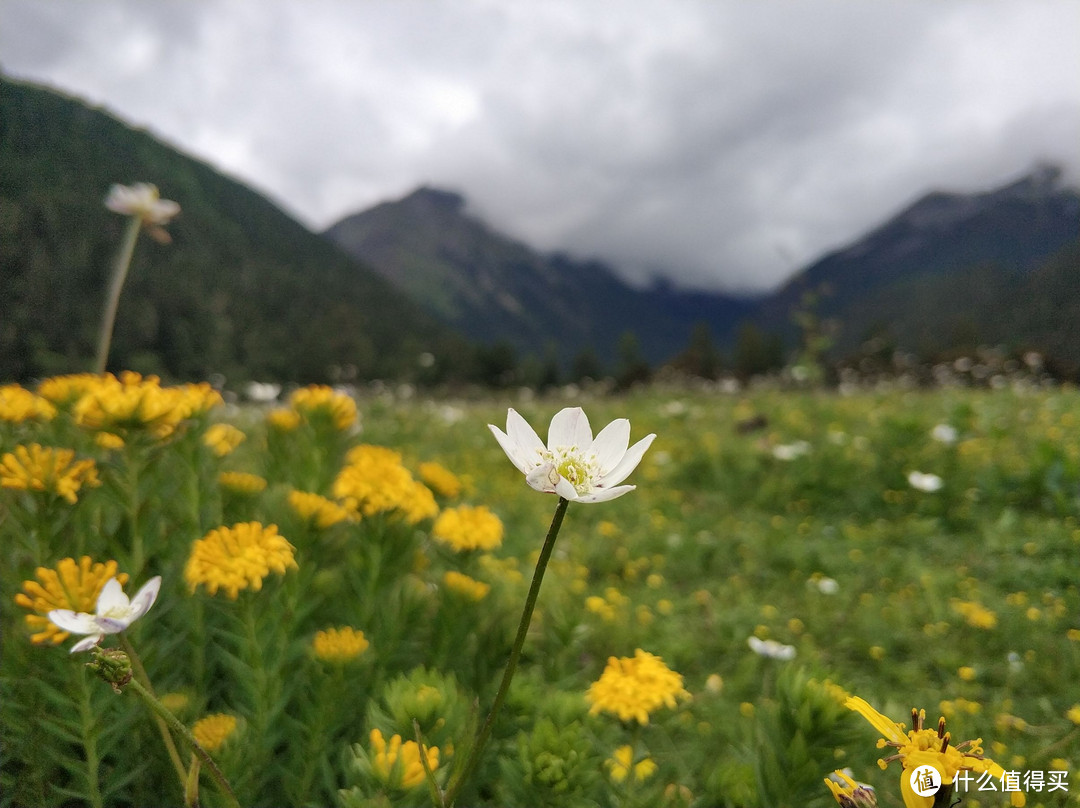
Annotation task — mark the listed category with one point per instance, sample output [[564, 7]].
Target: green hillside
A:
[[243, 289]]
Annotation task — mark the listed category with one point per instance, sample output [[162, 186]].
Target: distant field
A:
[[789, 517]]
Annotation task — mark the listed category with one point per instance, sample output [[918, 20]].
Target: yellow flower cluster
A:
[[339, 644], [398, 764], [316, 508], [622, 763], [64, 391], [465, 586], [976, 615], [237, 557], [319, 401], [241, 482], [38, 468], [440, 479], [214, 730], [223, 438], [633, 687], [134, 402], [468, 528], [17, 404], [283, 420], [375, 481], [72, 585]]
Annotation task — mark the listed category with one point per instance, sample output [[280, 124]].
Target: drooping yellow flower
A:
[[318, 509], [136, 403], [634, 687], [621, 763], [468, 528], [319, 401], [238, 557], [398, 764], [55, 471], [241, 482], [223, 438], [17, 404], [339, 644], [921, 746], [214, 730], [374, 481], [72, 585], [440, 479], [465, 586]]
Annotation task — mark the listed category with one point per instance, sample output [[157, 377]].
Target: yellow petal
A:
[[886, 726]]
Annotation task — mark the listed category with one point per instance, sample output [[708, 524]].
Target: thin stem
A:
[[515, 653], [140, 674], [89, 740], [112, 299], [176, 726]]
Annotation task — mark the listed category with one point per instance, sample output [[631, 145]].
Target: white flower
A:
[[828, 586], [141, 200], [573, 464], [789, 451], [944, 433], [114, 613], [771, 648], [925, 482]]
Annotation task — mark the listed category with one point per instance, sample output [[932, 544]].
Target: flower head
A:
[[214, 730], [373, 480], [320, 401], [621, 764], [72, 585], [241, 482], [38, 468], [468, 528], [237, 557], [317, 508], [468, 588], [848, 793], [573, 465], [928, 483], [770, 649], [143, 201], [113, 614], [398, 764], [17, 404], [223, 438], [634, 687], [440, 479], [339, 644]]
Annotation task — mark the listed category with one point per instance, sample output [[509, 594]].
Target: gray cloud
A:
[[723, 143]]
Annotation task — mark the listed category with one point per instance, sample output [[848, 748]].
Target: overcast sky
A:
[[724, 144]]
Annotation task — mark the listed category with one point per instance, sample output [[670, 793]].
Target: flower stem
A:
[[89, 742], [515, 653], [176, 726], [112, 300], [144, 680]]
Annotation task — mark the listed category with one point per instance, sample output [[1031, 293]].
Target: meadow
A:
[[337, 571]]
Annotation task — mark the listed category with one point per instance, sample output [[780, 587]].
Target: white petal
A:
[[75, 622], [627, 464], [86, 643], [112, 598], [565, 490], [605, 494], [520, 441], [610, 445], [144, 598], [569, 427], [540, 478], [508, 447]]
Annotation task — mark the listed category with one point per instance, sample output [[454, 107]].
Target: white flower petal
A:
[[75, 622], [112, 598], [86, 643], [565, 490], [605, 494], [628, 463], [508, 447], [569, 427], [144, 598], [540, 478], [610, 445], [113, 625]]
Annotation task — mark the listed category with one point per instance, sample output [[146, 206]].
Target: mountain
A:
[[243, 289], [953, 271], [494, 288]]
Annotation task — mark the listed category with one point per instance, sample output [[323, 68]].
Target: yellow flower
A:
[[921, 747], [621, 763], [967, 673], [848, 793], [374, 481], [465, 586], [64, 391], [634, 687], [175, 701], [318, 509], [223, 438], [17, 404], [440, 480], [339, 644], [283, 420], [214, 730], [37, 468], [138, 403], [319, 401], [237, 557], [1073, 714], [468, 528], [72, 585], [240, 482], [398, 764], [976, 615], [107, 440]]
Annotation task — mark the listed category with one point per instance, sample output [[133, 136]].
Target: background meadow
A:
[[784, 516]]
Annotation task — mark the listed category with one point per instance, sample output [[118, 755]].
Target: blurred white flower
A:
[[943, 433], [925, 482], [573, 464], [114, 613], [262, 392], [789, 451], [828, 586], [771, 648], [143, 201]]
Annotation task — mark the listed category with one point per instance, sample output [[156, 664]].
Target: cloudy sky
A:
[[722, 143]]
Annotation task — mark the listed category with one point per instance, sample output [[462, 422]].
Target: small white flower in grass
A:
[[789, 451], [114, 613], [143, 201], [828, 586], [925, 482], [944, 433], [771, 649], [573, 465]]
